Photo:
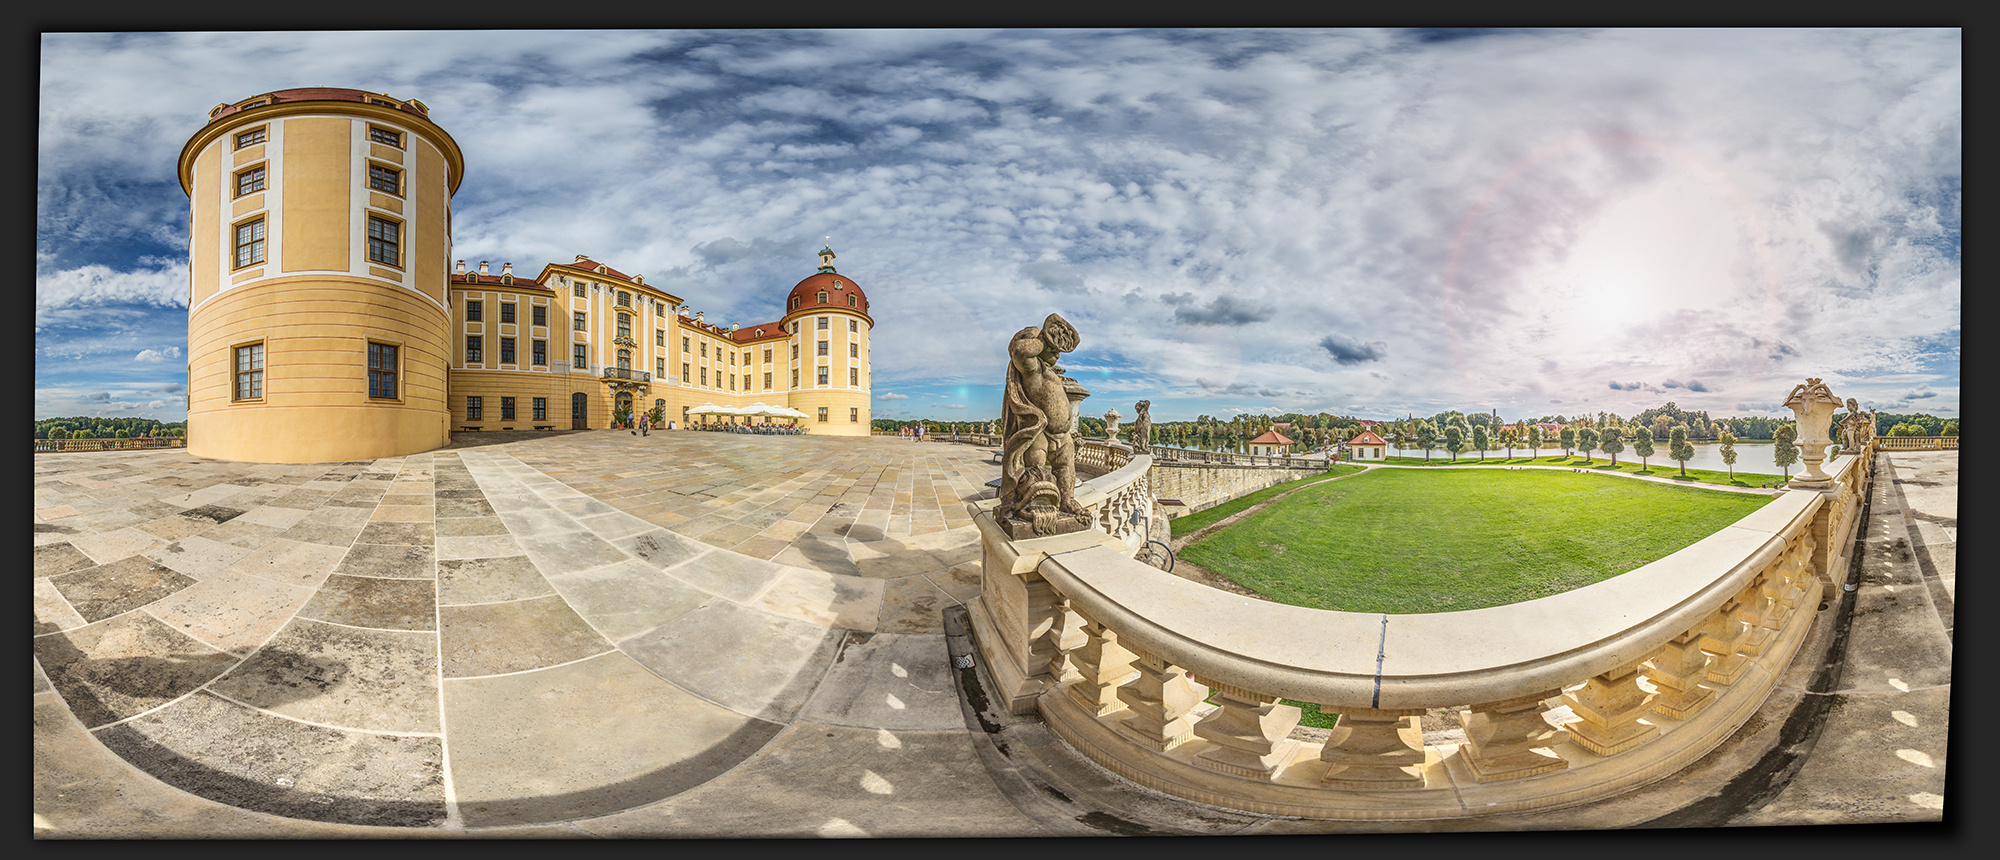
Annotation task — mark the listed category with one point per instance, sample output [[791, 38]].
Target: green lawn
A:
[[1195, 521], [1657, 466], [1411, 541]]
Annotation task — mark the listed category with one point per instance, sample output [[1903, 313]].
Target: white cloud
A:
[[890, 395], [157, 354]]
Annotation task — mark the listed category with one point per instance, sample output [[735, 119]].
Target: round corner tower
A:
[[319, 235], [830, 326]]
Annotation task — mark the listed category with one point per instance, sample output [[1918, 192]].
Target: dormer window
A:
[[822, 297], [851, 302], [795, 303]]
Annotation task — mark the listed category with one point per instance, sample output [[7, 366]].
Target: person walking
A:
[[645, 424]]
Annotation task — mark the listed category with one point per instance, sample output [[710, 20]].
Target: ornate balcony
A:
[[1562, 700]]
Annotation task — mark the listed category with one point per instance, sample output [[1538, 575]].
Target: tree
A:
[[1586, 439], [1454, 439], [1534, 440], [1568, 440], [1728, 450], [1482, 439], [1949, 429], [1642, 444], [1679, 448], [1906, 430], [1613, 442], [1510, 436], [1427, 438], [1783, 449]]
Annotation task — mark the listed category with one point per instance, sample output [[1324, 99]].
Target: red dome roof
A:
[[837, 288]]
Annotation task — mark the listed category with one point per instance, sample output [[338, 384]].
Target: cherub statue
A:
[[1038, 462]]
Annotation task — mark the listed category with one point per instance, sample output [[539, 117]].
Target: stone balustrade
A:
[[1164, 454], [1562, 700], [43, 446], [1917, 443]]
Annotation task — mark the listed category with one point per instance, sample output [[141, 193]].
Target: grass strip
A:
[[1207, 516]]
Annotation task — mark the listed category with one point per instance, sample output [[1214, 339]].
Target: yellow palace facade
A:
[[326, 321]]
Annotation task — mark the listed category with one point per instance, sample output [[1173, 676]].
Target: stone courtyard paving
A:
[[596, 634]]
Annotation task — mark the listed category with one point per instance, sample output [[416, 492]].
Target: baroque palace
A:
[[326, 320]]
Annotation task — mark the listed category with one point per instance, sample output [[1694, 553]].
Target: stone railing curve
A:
[[1563, 700]]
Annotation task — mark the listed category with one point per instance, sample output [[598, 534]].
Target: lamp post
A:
[[1812, 404]]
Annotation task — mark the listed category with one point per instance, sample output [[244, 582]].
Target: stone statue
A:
[[1857, 426], [1142, 427], [1111, 424], [1038, 460]]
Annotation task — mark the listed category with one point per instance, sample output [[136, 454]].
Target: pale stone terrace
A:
[[687, 634]]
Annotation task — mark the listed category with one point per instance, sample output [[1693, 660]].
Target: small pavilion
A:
[[1272, 443], [1369, 446]]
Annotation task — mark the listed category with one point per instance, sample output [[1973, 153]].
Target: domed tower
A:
[[827, 316], [320, 230]]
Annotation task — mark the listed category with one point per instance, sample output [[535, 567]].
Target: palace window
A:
[[540, 352], [383, 135], [250, 138], [767, 381], [854, 414], [732, 381], [250, 371], [475, 408], [686, 376], [767, 355], [578, 322], [822, 376], [822, 347], [541, 315], [625, 326], [704, 376], [250, 181], [795, 378], [854, 376], [577, 290], [685, 348], [506, 312], [853, 325], [386, 179], [385, 241], [795, 303], [746, 358], [506, 408], [624, 299], [381, 370], [732, 359], [822, 297], [822, 415], [473, 351], [475, 311], [541, 407], [795, 352], [250, 243], [746, 382], [659, 337], [704, 349], [580, 358], [822, 323], [854, 350], [660, 367], [506, 350], [852, 303]]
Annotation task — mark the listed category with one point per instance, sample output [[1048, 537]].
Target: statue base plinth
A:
[[1046, 524]]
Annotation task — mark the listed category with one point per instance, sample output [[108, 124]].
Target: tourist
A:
[[644, 424]]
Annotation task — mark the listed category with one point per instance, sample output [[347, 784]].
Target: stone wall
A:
[[1202, 486]]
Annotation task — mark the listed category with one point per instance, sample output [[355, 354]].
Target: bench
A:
[[468, 428], [545, 427]]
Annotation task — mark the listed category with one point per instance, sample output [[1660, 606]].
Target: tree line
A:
[[106, 428]]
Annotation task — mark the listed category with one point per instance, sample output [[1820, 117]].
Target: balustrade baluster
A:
[[1507, 739], [1160, 697], [1250, 731], [1677, 669], [1101, 665], [1611, 704], [1753, 608], [1722, 638], [1374, 748]]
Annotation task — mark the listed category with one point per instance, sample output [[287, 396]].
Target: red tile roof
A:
[[476, 279], [807, 292], [1367, 437], [1271, 437]]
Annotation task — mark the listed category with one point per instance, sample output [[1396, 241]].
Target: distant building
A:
[[1272, 443], [1368, 446]]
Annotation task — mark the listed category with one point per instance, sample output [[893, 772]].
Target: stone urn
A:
[[1812, 404]]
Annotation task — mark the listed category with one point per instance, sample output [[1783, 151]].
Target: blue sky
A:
[[1369, 223]]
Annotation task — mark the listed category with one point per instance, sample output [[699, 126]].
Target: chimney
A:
[[482, 268], [582, 257], [732, 328], [697, 318], [506, 270], [461, 268]]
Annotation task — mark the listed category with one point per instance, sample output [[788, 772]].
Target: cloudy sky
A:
[[1369, 223]]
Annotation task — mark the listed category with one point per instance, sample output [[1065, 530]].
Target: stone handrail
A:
[[1917, 443], [1564, 699], [1165, 454], [58, 445]]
